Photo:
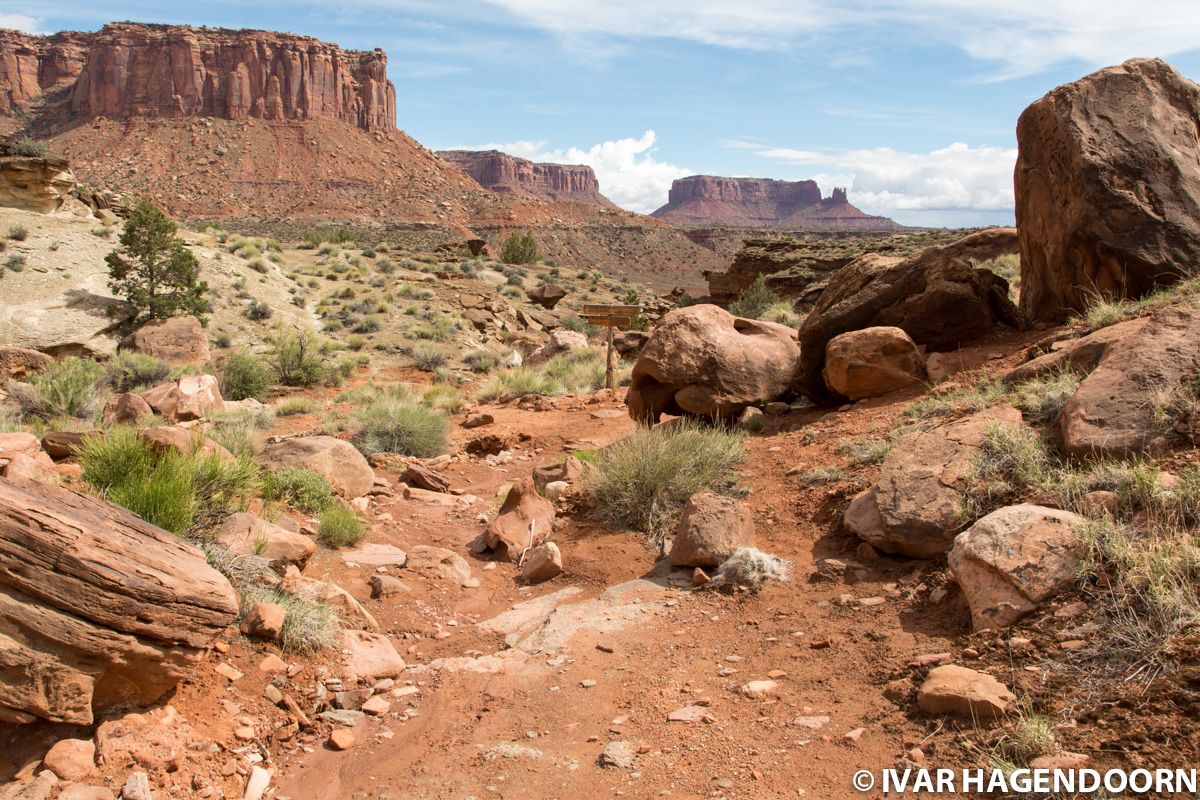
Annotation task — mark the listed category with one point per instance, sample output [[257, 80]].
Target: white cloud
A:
[[1021, 37], [627, 170], [885, 181], [22, 22]]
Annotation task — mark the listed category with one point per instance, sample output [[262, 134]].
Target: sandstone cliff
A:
[[507, 174], [134, 70], [712, 200]]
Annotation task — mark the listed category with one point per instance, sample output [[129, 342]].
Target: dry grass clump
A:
[[643, 481], [750, 569], [308, 626]]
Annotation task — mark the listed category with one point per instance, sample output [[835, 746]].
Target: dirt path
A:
[[532, 725]]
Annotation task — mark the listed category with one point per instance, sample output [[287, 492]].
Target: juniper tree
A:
[[153, 270]]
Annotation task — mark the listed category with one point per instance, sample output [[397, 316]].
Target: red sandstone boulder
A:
[[1013, 560], [98, 608], [711, 529], [1107, 190], [337, 461], [17, 363], [872, 362], [176, 340], [524, 520], [939, 297], [703, 361], [915, 507], [1136, 375], [191, 397]]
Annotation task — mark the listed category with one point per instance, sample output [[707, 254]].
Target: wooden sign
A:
[[610, 316]]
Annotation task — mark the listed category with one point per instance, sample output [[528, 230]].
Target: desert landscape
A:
[[333, 466]]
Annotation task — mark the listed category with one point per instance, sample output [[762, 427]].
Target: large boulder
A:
[[872, 362], [127, 409], [35, 184], [939, 297], [1107, 190], [916, 507], [246, 534], [524, 519], [191, 397], [1014, 559], [176, 340], [547, 295], [710, 530], [185, 442], [98, 608], [339, 462], [561, 342], [703, 361], [18, 363], [1135, 378]]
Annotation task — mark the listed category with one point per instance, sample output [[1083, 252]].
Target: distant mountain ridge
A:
[[716, 200], [505, 174]]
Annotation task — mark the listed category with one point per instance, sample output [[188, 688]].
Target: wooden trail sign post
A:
[[611, 317]]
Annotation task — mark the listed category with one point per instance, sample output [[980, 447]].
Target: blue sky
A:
[[911, 104]]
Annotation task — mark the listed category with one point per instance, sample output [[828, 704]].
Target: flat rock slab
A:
[[375, 555]]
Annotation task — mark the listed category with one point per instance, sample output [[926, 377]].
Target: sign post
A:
[[611, 317]]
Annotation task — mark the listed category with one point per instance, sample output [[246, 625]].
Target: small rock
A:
[[264, 621], [71, 759], [854, 735], [962, 692], [758, 689], [272, 663], [376, 706], [137, 787], [618, 755], [259, 780], [691, 714], [542, 563], [341, 739], [227, 671]]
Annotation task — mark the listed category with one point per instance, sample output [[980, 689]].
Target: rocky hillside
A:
[[270, 128], [505, 174], [711, 200], [132, 70], [797, 265]]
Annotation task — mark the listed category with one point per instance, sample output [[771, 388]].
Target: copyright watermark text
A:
[[915, 781]]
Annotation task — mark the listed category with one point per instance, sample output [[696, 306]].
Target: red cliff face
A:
[[132, 70], [505, 174], [711, 200]]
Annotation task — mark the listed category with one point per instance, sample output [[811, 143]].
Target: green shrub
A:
[[428, 356], [240, 432], [642, 482], [389, 426], [754, 300], [15, 262], [481, 361], [300, 488], [246, 376], [172, 490], [341, 526], [67, 388], [31, 148], [18, 233], [444, 398], [518, 249], [517, 382], [129, 371], [257, 311], [290, 406], [866, 451], [297, 358], [1043, 399], [783, 313]]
